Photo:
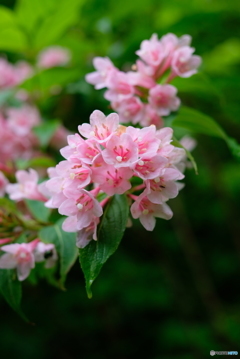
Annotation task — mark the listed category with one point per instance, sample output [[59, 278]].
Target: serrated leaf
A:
[[65, 245], [110, 233], [38, 210], [45, 131], [11, 290]]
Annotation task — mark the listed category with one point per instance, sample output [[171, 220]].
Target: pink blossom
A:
[[149, 167], [53, 56], [151, 51], [22, 120], [151, 117], [100, 78], [111, 180], [85, 207], [164, 99], [120, 87], [45, 252], [85, 235], [146, 140], [26, 187], [120, 151], [101, 128], [7, 74], [184, 64], [130, 110], [73, 142], [3, 184], [163, 187], [23, 71], [19, 256], [146, 211], [143, 76]]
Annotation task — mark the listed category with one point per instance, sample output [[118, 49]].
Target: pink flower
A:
[[100, 78], [163, 187], [85, 207], [164, 99], [7, 74], [143, 76], [151, 117], [120, 151], [22, 120], [111, 180], [45, 252], [184, 64], [101, 128], [146, 211], [3, 184], [146, 140], [130, 110], [85, 235], [19, 256], [53, 56], [120, 87], [26, 187], [152, 51], [149, 167], [73, 142]]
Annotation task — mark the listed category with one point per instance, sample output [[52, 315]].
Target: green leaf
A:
[[45, 131], [54, 25], [8, 205], [176, 143], [65, 245], [38, 210], [12, 39], [11, 290], [200, 123], [110, 233], [197, 122], [22, 164], [7, 17]]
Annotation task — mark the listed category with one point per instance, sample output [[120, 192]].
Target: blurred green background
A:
[[174, 292]]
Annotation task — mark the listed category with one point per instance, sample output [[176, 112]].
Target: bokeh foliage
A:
[[174, 292]]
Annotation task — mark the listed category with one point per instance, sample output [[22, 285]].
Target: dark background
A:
[[174, 292]]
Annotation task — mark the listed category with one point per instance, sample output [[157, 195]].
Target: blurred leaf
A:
[[45, 162], [12, 39], [197, 122], [5, 96], [48, 79], [110, 233], [176, 143], [8, 205], [223, 56], [7, 18], [11, 290], [65, 245], [54, 25], [29, 12], [45, 131], [38, 210]]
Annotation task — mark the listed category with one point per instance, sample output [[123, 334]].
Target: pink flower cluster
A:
[[17, 139], [13, 75], [107, 160], [23, 256], [144, 95], [53, 56]]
